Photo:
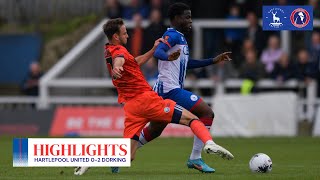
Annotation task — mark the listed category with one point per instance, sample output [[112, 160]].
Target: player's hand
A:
[[222, 57], [174, 56], [116, 72], [158, 41]]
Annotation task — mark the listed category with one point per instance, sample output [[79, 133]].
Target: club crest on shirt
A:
[[166, 109], [194, 97]]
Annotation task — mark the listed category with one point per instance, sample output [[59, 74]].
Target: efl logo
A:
[[276, 18], [52, 152]]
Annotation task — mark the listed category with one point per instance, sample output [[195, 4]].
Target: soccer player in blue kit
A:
[[170, 80]]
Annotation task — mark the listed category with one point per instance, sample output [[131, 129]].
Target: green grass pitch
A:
[[165, 159]]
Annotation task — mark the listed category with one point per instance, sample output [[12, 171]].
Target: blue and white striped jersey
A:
[[172, 73]]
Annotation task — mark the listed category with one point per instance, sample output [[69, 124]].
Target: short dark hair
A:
[[177, 9], [112, 26]]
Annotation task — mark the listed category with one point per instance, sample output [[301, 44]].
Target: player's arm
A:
[[161, 51], [148, 55], [117, 67], [192, 63]]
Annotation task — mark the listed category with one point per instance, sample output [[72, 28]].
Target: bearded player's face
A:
[[123, 35]]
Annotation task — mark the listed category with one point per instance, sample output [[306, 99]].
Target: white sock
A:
[[197, 147], [142, 140]]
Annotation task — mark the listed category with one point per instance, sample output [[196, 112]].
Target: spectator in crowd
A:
[[304, 68], [316, 8], [283, 69], [232, 34], [222, 71], [251, 69], [283, 3], [233, 37], [315, 47], [134, 7], [247, 45], [150, 70], [113, 9], [271, 54], [137, 36], [255, 33], [315, 57], [160, 5], [30, 85], [154, 30]]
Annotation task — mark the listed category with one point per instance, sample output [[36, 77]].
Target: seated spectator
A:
[[232, 34], [30, 85], [255, 33], [247, 45], [316, 8], [315, 57], [304, 69], [283, 3], [251, 69], [271, 54], [233, 37], [154, 31], [283, 69], [135, 6], [315, 47], [113, 9], [160, 5]]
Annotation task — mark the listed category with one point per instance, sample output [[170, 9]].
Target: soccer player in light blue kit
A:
[[172, 74]]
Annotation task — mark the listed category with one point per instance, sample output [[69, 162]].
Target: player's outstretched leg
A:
[[198, 128], [206, 115], [151, 132]]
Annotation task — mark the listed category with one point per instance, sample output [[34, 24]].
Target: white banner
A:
[[52, 152], [272, 114]]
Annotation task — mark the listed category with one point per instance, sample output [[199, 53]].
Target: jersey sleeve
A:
[[171, 38]]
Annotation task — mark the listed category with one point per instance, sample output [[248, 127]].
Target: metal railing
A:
[[305, 109]]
